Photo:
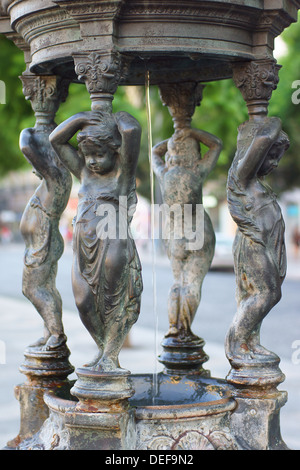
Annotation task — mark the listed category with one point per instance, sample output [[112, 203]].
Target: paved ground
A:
[[20, 325]]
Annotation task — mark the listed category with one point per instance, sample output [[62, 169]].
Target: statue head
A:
[[274, 155], [99, 145]]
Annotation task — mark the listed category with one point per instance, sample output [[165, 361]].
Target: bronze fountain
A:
[[182, 46]]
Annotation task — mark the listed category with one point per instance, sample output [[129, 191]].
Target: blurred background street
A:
[[20, 325]]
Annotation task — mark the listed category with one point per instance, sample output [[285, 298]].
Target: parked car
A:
[[223, 258]]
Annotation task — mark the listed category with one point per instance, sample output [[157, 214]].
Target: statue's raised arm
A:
[[130, 131], [267, 135], [159, 165], [214, 145], [60, 137]]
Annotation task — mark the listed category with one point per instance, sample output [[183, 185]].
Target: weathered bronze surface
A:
[[181, 45], [181, 172], [259, 248], [194, 40], [46, 364], [40, 221], [106, 270], [106, 274]]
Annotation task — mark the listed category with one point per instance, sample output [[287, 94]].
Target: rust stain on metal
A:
[[55, 441]]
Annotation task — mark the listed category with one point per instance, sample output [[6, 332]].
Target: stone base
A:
[[42, 365], [45, 370], [188, 413], [70, 428], [256, 421], [33, 412], [166, 412]]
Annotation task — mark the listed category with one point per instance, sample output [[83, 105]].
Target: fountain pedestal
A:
[[44, 370], [105, 44], [187, 413]]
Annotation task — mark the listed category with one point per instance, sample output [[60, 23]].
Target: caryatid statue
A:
[[181, 172], [106, 275], [44, 243], [259, 246]]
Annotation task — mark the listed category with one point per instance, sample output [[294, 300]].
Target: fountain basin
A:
[[188, 412]]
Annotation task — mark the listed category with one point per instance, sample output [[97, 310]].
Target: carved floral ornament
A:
[[100, 72], [256, 79], [42, 89], [193, 440], [183, 97], [38, 89], [104, 9]]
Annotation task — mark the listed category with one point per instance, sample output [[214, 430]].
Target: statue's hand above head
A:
[[269, 127]]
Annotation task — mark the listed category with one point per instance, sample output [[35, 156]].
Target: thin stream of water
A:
[[148, 108]]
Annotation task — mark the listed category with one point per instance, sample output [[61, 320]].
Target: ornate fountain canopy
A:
[[175, 40]]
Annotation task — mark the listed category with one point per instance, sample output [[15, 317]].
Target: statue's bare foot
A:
[[39, 343], [262, 354], [94, 361], [244, 352], [237, 348], [55, 342], [173, 331], [107, 364]]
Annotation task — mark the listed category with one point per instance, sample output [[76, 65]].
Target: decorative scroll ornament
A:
[[182, 99], [100, 72], [256, 80], [43, 91], [193, 440]]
